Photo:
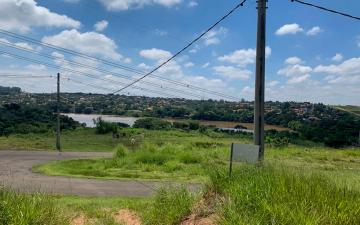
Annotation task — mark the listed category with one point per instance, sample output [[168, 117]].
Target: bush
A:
[[170, 207], [181, 125], [103, 127], [152, 124], [194, 125], [120, 151], [277, 142]]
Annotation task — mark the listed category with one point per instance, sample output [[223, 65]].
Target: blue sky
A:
[[311, 56]]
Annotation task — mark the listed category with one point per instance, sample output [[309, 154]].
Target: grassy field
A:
[[297, 184], [85, 139], [185, 156]]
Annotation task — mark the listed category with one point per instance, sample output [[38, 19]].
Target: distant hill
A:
[[349, 108]]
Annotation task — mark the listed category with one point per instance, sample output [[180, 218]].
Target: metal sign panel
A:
[[244, 153]]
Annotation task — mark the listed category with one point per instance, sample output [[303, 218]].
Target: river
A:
[[88, 118]]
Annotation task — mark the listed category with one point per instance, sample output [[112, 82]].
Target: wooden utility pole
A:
[[58, 147], [259, 136]]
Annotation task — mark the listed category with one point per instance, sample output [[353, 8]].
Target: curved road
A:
[[15, 172]]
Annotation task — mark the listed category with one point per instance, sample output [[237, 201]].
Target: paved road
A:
[[15, 172]]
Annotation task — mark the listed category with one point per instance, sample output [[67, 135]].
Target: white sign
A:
[[244, 153]]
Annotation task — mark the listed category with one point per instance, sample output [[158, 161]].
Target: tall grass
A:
[[270, 195], [29, 209], [170, 207]]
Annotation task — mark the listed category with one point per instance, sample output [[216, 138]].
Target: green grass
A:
[[279, 195], [26, 209], [170, 206], [186, 161], [85, 139], [101, 209], [176, 162], [341, 166]]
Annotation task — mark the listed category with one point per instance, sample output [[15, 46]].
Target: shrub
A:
[[239, 126], [152, 124], [277, 142], [170, 207], [103, 127], [181, 125], [194, 125], [120, 151]]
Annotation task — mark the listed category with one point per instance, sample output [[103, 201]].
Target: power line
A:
[[84, 74], [89, 85], [52, 57], [24, 76], [327, 9], [117, 65], [186, 47]]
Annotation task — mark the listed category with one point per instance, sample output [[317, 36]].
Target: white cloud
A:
[[121, 5], [232, 72], [243, 57], [192, 4], [273, 83], [348, 67], [161, 32], [205, 65], [314, 31], [38, 67], [213, 36], [295, 70], [172, 70], [337, 58], [144, 66], [19, 44], [101, 25], [189, 64], [289, 29], [22, 15], [127, 60], [298, 79], [89, 42], [247, 90], [155, 54], [293, 60]]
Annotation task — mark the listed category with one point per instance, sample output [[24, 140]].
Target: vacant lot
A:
[[297, 184]]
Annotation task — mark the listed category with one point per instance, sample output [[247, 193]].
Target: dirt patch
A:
[[127, 217], [79, 220], [194, 220]]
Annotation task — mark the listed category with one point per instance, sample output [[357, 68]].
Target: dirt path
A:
[[15, 172]]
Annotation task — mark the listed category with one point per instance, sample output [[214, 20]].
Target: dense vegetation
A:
[[23, 119]]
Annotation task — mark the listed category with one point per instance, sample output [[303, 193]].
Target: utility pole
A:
[[58, 147], [259, 105]]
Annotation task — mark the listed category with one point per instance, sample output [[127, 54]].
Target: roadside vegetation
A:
[[24, 209]]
